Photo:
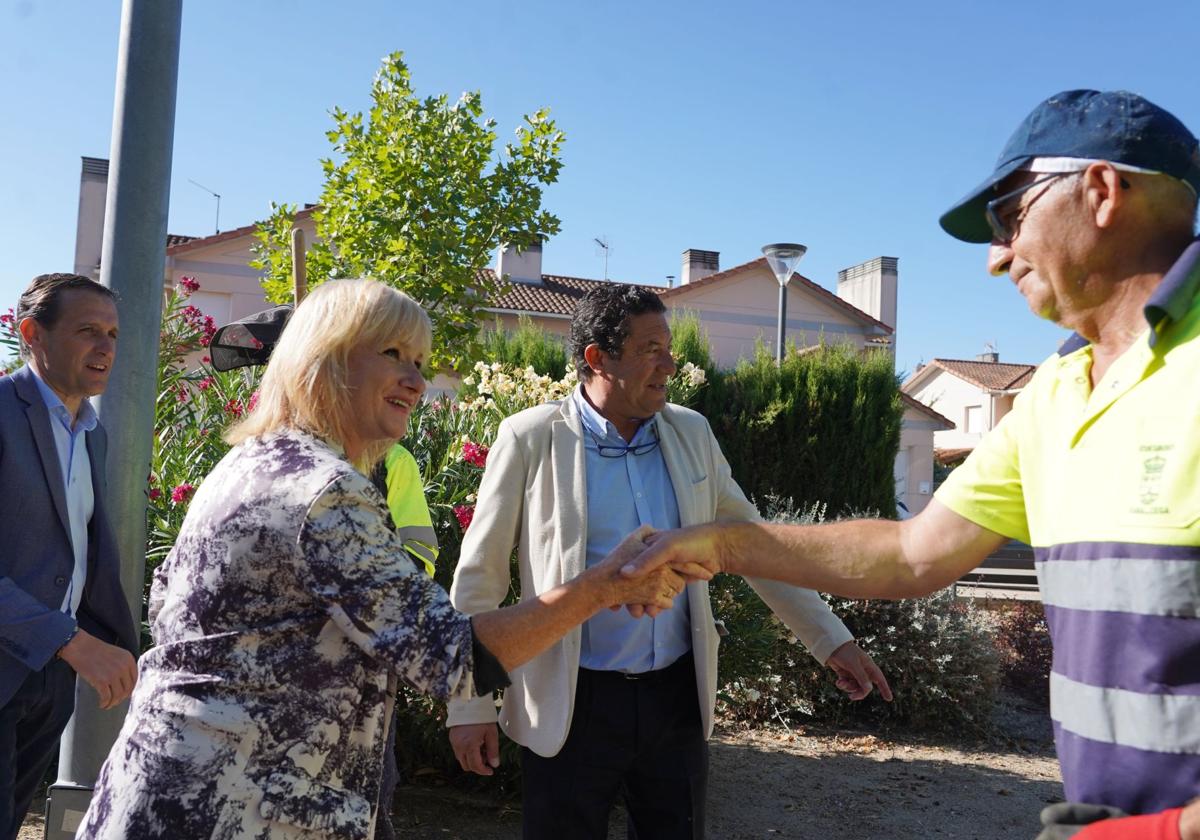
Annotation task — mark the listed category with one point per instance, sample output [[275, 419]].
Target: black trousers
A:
[[30, 726], [640, 739]]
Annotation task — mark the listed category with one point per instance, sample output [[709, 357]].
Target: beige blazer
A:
[[532, 498]]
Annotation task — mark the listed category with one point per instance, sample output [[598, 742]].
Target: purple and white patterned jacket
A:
[[278, 617]]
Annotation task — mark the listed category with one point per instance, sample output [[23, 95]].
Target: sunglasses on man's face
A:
[[1004, 213]]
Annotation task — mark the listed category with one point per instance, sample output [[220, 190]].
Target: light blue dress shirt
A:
[[623, 493], [77, 480]]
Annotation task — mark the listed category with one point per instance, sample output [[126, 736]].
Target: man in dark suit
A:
[[62, 610]]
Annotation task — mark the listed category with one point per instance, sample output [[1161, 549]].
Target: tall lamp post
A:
[[783, 257]]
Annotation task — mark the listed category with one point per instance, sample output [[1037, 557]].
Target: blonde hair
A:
[[304, 386]]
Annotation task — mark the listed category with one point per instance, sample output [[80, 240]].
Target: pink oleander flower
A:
[[234, 407], [206, 360], [155, 494], [182, 493], [205, 383], [8, 318], [475, 454], [252, 402], [188, 285], [464, 514]]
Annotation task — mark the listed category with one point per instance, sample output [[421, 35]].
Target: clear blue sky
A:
[[848, 127]]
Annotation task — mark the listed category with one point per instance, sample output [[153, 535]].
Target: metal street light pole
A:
[[782, 257], [134, 252]]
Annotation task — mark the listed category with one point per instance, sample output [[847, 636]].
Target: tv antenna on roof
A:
[[215, 195], [603, 247]]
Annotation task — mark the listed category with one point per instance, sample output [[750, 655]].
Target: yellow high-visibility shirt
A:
[[1104, 483], [410, 511]]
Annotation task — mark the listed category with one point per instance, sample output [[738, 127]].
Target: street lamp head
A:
[[783, 257]]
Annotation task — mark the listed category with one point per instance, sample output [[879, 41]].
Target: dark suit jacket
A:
[[36, 559]]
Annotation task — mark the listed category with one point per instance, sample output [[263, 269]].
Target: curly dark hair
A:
[[602, 318], [41, 299]]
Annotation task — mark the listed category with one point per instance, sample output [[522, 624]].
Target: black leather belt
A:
[[671, 670]]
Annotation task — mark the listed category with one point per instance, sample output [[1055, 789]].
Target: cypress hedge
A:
[[822, 427]]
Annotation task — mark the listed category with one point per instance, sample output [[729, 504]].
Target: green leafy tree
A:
[[419, 199]]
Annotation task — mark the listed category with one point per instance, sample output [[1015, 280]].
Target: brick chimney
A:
[[698, 264], [871, 286], [89, 227], [521, 266]]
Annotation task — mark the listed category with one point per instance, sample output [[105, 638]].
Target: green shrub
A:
[[1023, 644], [937, 654], [689, 343], [194, 406], [824, 426], [527, 346]]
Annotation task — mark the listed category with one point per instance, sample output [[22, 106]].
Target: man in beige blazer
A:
[[622, 706]]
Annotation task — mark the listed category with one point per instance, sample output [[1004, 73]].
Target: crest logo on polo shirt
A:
[[1150, 498], [1151, 484]]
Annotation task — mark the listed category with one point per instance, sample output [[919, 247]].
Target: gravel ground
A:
[[815, 782]]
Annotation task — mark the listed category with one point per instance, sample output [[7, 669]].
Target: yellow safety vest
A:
[[410, 511]]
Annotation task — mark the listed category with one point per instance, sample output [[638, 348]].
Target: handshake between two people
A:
[[655, 566], [648, 580], [645, 574]]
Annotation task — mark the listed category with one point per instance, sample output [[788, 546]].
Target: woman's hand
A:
[[649, 592]]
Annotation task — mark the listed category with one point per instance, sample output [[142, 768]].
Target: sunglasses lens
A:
[[1000, 231]]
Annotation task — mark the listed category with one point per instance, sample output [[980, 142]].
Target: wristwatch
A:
[[67, 641]]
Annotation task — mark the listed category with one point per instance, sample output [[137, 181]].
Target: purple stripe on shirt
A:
[[1115, 551], [1137, 781], [1150, 654]]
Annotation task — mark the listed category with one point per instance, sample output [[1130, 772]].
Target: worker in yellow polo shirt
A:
[[399, 479], [1091, 212], [410, 512]]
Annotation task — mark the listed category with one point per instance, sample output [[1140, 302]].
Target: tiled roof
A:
[[911, 402], [820, 291], [991, 376], [946, 457], [191, 243], [556, 295], [178, 239], [1022, 380]]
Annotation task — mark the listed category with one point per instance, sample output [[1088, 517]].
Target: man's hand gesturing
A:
[[109, 669]]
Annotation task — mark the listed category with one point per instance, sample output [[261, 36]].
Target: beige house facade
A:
[[913, 471]]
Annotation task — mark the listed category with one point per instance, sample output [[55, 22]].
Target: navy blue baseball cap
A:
[[1116, 126]]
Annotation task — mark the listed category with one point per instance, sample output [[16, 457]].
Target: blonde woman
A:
[[287, 603]]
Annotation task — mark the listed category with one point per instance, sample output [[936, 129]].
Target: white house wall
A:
[[950, 396]]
